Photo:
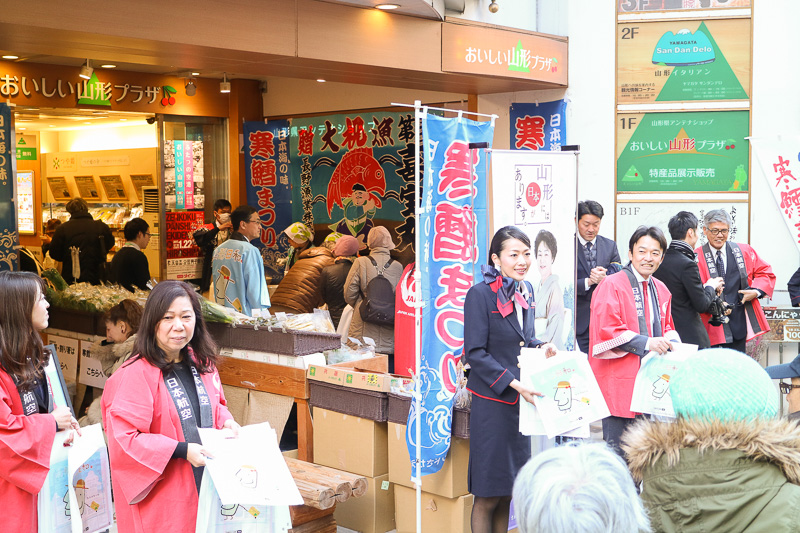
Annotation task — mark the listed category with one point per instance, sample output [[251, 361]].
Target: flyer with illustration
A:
[[651, 394], [571, 397]]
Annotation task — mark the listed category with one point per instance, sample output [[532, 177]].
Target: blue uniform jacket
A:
[[492, 344]]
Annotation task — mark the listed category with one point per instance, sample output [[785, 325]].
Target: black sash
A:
[[30, 406], [743, 284], [638, 300], [186, 414]]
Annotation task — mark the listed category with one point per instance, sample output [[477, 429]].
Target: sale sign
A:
[[184, 257]]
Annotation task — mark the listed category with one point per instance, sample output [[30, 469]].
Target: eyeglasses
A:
[[786, 388], [717, 231], [254, 221], [147, 233]]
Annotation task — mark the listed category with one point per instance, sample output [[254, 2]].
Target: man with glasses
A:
[[791, 390], [747, 279], [130, 267], [237, 267]]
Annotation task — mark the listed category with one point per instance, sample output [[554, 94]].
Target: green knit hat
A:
[[723, 384]]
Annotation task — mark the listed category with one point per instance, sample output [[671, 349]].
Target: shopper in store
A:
[[81, 244], [498, 322], [29, 419], [365, 269], [300, 290], [122, 323], [129, 267], [156, 456], [333, 277], [237, 267], [211, 235]]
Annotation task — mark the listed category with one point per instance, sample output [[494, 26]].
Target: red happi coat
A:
[[25, 446], [153, 492], [759, 276], [614, 322]]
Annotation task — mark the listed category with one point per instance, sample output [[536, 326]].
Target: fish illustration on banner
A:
[[454, 245], [538, 126], [355, 172]]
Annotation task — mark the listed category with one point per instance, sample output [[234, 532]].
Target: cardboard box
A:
[[371, 513], [438, 513], [366, 374], [350, 443], [450, 481]]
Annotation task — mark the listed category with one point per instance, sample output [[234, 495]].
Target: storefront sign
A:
[[779, 161], [633, 6], [455, 227], [784, 324], [26, 152], [8, 215], [510, 54], [538, 126], [184, 182], [631, 215], [355, 172], [683, 152], [33, 84], [25, 213], [267, 157], [684, 60], [184, 258]]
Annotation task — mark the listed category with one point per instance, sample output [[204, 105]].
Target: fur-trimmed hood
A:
[[111, 356], [773, 441]]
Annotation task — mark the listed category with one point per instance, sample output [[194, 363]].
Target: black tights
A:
[[490, 515]]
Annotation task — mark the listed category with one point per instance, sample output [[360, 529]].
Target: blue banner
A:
[[8, 215], [267, 163], [539, 126], [454, 229]]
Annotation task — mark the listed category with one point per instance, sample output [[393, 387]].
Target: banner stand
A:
[[420, 112]]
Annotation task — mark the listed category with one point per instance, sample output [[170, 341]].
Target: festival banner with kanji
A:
[[184, 258], [779, 161], [538, 126], [703, 151], [355, 172], [542, 187], [454, 244], [8, 216], [267, 163], [634, 6], [684, 60]]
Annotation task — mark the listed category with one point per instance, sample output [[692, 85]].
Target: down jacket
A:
[[299, 291], [111, 357], [736, 477]]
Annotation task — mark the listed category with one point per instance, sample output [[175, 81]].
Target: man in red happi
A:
[[631, 315]]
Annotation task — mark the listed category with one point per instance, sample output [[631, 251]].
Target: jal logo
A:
[[533, 194], [408, 288]]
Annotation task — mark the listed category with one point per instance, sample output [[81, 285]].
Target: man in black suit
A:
[[595, 255], [680, 274]]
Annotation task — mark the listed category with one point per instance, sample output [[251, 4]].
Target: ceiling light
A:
[[493, 7], [52, 125], [10, 57], [87, 122], [108, 65], [123, 120], [21, 129], [195, 73], [86, 70], [387, 6], [320, 80], [224, 85], [191, 88]]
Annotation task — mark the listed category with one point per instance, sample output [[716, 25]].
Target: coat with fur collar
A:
[[713, 476]]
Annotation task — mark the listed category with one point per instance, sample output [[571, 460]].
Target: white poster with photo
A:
[[542, 189], [651, 394], [571, 396]]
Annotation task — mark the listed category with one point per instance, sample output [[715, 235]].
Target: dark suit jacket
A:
[[680, 274], [794, 289], [492, 343], [606, 254]]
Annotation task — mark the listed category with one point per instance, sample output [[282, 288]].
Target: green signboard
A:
[[26, 154], [701, 151]]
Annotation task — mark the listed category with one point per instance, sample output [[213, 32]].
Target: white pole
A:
[[418, 115]]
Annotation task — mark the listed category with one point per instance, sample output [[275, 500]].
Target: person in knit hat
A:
[[333, 277], [726, 463]]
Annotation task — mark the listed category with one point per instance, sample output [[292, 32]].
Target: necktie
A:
[[720, 264], [646, 303], [590, 257]]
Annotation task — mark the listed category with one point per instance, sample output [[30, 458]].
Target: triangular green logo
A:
[[93, 92], [517, 61], [717, 80], [21, 141], [632, 175]]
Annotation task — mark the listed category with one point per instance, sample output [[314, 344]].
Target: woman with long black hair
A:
[[29, 419], [498, 322]]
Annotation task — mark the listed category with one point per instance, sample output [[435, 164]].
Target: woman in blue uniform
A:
[[498, 321]]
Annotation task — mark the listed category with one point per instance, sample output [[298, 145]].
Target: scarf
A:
[[506, 290]]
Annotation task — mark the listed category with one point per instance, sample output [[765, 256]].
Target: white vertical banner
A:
[[538, 193], [779, 161]]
